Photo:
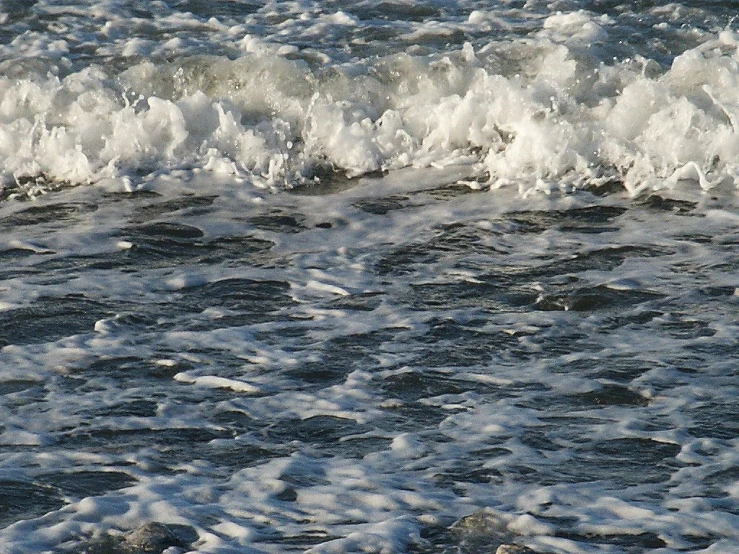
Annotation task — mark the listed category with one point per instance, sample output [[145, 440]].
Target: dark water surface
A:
[[573, 362]]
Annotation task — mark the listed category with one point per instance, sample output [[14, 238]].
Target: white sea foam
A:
[[543, 112]]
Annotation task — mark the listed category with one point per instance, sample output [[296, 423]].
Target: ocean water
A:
[[422, 277]]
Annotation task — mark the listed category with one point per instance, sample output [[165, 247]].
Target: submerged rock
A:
[[151, 538], [487, 531], [513, 549]]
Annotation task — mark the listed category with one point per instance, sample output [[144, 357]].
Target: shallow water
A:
[[565, 359], [378, 277]]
